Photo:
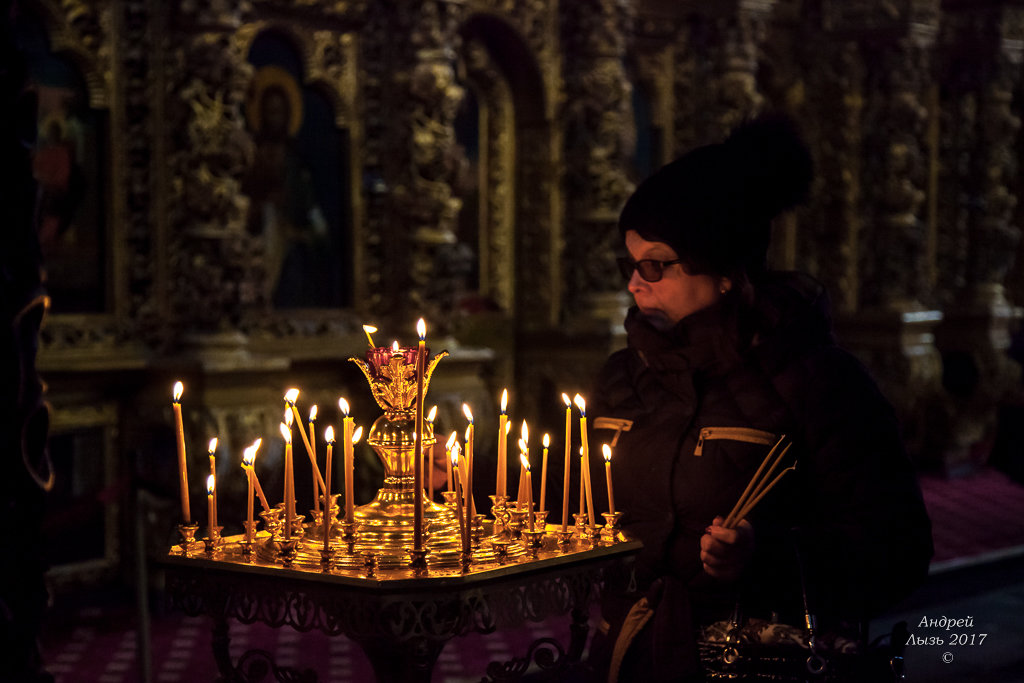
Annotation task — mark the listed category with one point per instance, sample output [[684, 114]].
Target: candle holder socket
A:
[[326, 559], [418, 560], [501, 544], [534, 539], [298, 529], [369, 563], [518, 520], [450, 499], [272, 521], [250, 532], [540, 518], [349, 534], [611, 526], [564, 537], [286, 550], [187, 531], [478, 529], [212, 539], [582, 529]]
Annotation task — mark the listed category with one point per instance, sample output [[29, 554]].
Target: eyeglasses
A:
[[649, 269]]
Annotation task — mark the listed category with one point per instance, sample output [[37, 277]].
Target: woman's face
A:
[[676, 295]]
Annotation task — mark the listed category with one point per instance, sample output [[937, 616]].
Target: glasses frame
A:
[[651, 270]]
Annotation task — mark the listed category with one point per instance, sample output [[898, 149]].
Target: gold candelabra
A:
[[402, 527]]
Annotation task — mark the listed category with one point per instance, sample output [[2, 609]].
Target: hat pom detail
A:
[[772, 162]]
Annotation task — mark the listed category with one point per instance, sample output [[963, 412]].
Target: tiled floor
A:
[[978, 572]]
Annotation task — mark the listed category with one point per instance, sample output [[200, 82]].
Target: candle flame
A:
[[581, 404], [212, 448], [286, 432], [546, 440], [291, 396], [179, 389], [249, 456], [467, 412], [504, 400], [525, 432], [358, 434], [256, 446], [421, 329], [526, 461], [329, 434], [432, 414], [455, 454], [607, 451], [210, 483], [288, 418], [394, 346], [451, 441], [467, 433], [343, 404], [522, 446], [312, 414], [369, 329], [565, 397], [508, 428]]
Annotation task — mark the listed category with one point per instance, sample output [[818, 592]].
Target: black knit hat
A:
[[714, 205]]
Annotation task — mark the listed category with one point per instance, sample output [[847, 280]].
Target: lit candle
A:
[[607, 451], [290, 397], [312, 444], [346, 441], [255, 479], [247, 458], [179, 431], [329, 438], [583, 489], [546, 441], [470, 431], [524, 458], [502, 443], [582, 405], [565, 474], [430, 470], [421, 330], [448, 448], [211, 450], [289, 496], [369, 329], [524, 446], [211, 505], [459, 507]]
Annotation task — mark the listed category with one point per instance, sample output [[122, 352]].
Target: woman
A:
[[725, 360]]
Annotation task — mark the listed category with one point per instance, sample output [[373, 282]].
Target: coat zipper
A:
[[746, 434]]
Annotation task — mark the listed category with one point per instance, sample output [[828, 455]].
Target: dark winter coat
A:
[[704, 416]]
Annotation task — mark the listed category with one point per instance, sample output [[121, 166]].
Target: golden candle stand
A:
[[401, 617], [394, 575]]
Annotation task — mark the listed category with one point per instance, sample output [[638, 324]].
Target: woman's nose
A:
[[636, 283]]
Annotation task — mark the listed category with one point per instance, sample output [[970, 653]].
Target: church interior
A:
[[226, 193]]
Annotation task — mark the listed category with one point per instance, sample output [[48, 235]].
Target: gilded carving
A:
[[599, 141], [895, 156], [214, 260]]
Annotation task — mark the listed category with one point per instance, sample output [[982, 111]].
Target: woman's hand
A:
[[726, 552]]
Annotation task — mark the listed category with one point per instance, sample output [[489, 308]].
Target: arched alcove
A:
[[514, 161], [300, 179]]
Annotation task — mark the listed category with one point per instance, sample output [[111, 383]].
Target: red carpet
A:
[[974, 517]]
